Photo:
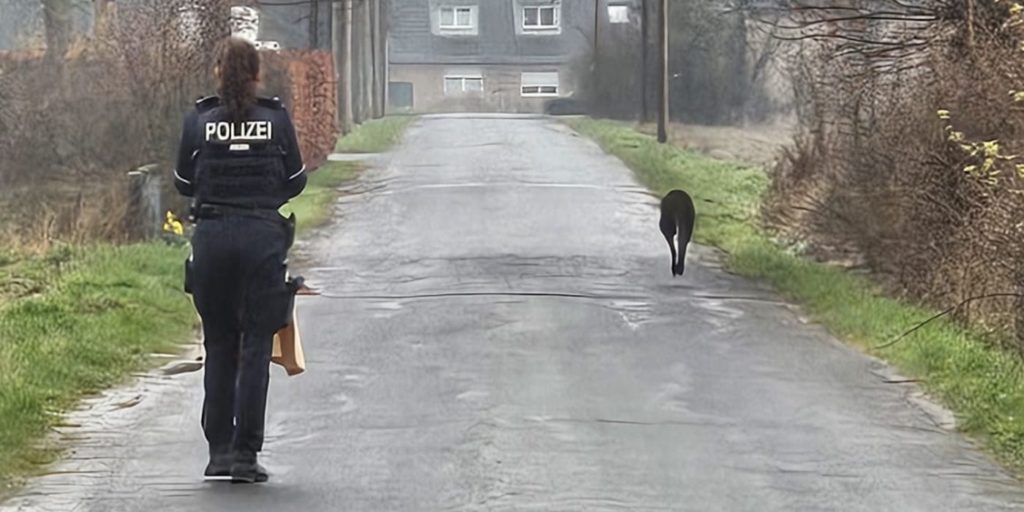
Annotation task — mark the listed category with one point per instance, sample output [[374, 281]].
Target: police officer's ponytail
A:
[[239, 65]]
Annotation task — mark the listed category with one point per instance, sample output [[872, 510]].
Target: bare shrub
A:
[[876, 171], [77, 122]]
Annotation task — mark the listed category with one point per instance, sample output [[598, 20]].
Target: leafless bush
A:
[[76, 122], [878, 172]]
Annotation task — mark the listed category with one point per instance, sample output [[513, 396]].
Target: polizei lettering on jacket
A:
[[241, 132]]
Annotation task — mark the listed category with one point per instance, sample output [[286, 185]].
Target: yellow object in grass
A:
[[173, 225]]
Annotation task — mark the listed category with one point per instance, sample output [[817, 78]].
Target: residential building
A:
[[493, 55]]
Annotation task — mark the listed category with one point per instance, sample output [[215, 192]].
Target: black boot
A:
[[219, 466], [248, 472]]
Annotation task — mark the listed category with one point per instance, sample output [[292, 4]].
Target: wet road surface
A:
[[442, 378]]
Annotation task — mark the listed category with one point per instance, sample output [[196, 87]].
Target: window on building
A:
[[618, 14], [541, 17], [456, 18], [540, 84], [455, 85]]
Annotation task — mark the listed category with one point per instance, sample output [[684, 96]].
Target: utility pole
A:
[[374, 31], [343, 62], [314, 24], [336, 20], [645, 113], [596, 91], [380, 59], [367, 70], [663, 83], [385, 55], [349, 85]]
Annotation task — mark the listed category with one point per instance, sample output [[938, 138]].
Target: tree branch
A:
[[947, 312]]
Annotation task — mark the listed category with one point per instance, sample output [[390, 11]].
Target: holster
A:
[[276, 307], [289, 226], [293, 284], [189, 275]]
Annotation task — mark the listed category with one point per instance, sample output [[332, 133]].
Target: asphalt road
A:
[[644, 392]]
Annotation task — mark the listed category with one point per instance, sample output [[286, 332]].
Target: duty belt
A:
[[214, 211]]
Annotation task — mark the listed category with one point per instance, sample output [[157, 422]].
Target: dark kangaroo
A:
[[677, 216]]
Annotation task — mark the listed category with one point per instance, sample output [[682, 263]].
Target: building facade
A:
[[491, 55]]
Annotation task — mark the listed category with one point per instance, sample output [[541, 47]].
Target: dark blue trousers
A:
[[238, 284]]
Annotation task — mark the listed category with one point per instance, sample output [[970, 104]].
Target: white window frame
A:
[[463, 78], [540, 27], [540, 90], [618, 8], [455, 26]]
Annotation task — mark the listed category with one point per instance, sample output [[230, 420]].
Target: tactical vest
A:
[[239, 163]]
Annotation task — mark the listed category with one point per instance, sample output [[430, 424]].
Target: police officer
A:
[[240, 161]]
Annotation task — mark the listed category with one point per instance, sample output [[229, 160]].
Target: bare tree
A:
[[57, 22]]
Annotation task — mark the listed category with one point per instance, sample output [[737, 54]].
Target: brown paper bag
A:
[[288, 349]]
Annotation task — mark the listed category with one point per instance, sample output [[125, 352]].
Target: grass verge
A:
[[313, 208], [375, 136], [983, 385], [105, 310]]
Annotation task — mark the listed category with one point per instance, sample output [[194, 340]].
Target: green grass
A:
[[983, 385], [313, 208], [104, 311], [375, 136], [21, 276]]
